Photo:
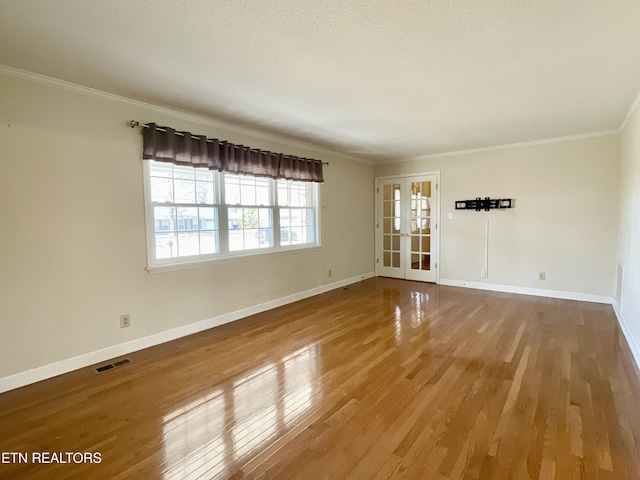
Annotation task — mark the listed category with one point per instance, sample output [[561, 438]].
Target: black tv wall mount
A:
[[485, 204]]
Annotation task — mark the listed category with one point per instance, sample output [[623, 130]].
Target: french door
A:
[[406, 226]]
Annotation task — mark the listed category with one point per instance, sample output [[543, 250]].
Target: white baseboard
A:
[[538, 292], [633, 344], [37, 374]]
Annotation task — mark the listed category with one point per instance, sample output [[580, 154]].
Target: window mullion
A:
[[223, 216], [275, 209], [276, 225]]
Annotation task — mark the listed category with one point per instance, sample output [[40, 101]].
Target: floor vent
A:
[[109, 366]]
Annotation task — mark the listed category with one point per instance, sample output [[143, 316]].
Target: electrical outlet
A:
[[330, 273], [542, 276], [483, 273], [125, 320]]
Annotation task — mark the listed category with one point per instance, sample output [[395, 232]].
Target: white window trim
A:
[[180, 263]]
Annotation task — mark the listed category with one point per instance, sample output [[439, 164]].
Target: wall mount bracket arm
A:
[[485, 204]]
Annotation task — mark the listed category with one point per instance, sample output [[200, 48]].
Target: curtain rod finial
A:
[[134, 124]]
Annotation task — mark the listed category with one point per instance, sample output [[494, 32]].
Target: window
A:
[[296, 211], [250, 212], [196, 214]]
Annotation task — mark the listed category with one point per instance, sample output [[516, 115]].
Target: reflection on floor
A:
[[209, 435]]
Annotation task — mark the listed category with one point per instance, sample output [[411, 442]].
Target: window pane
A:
[[248, 194], [204, 174], [205, 192], [166, 245], [197, 231], [232, 189], [164, 217], [187, 218], [297, 217], [165, 229], [250, 228], [296, 226], [283, 193], [208, 242], [295, 194], [160, 169], [262, 196], [252, 238], [297, 235], [185, 190], [188, 244], [249, 217], [247, 190], [207, 218], [208, 231], [161, 190], [183, 172]]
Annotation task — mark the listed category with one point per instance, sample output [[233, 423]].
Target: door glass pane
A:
[[425, 226], [420, 261], [415, 261], [415, 243], [397, 207], [391, 217], [420, 225], [391, 223], [426, 244]]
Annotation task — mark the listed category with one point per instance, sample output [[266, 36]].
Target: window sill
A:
[[169, 267]]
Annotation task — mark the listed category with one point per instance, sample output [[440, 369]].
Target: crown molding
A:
[[272, 137], [632, 109], [544, 141], [172, 112]]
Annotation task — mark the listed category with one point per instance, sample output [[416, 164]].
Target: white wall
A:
[[72, 235], [629, 232], [564, 222]]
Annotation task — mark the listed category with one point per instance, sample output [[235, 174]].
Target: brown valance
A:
[[165, 144]]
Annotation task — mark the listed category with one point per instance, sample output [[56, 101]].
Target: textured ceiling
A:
[[381, 80]]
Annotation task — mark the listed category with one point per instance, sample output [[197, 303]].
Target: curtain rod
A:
[[135, 123]]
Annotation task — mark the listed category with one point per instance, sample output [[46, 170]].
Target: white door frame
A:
[[437, 217]]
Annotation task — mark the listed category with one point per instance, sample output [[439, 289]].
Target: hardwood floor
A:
[[385, 379]]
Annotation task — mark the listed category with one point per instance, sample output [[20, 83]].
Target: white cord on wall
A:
[[486, 247]]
